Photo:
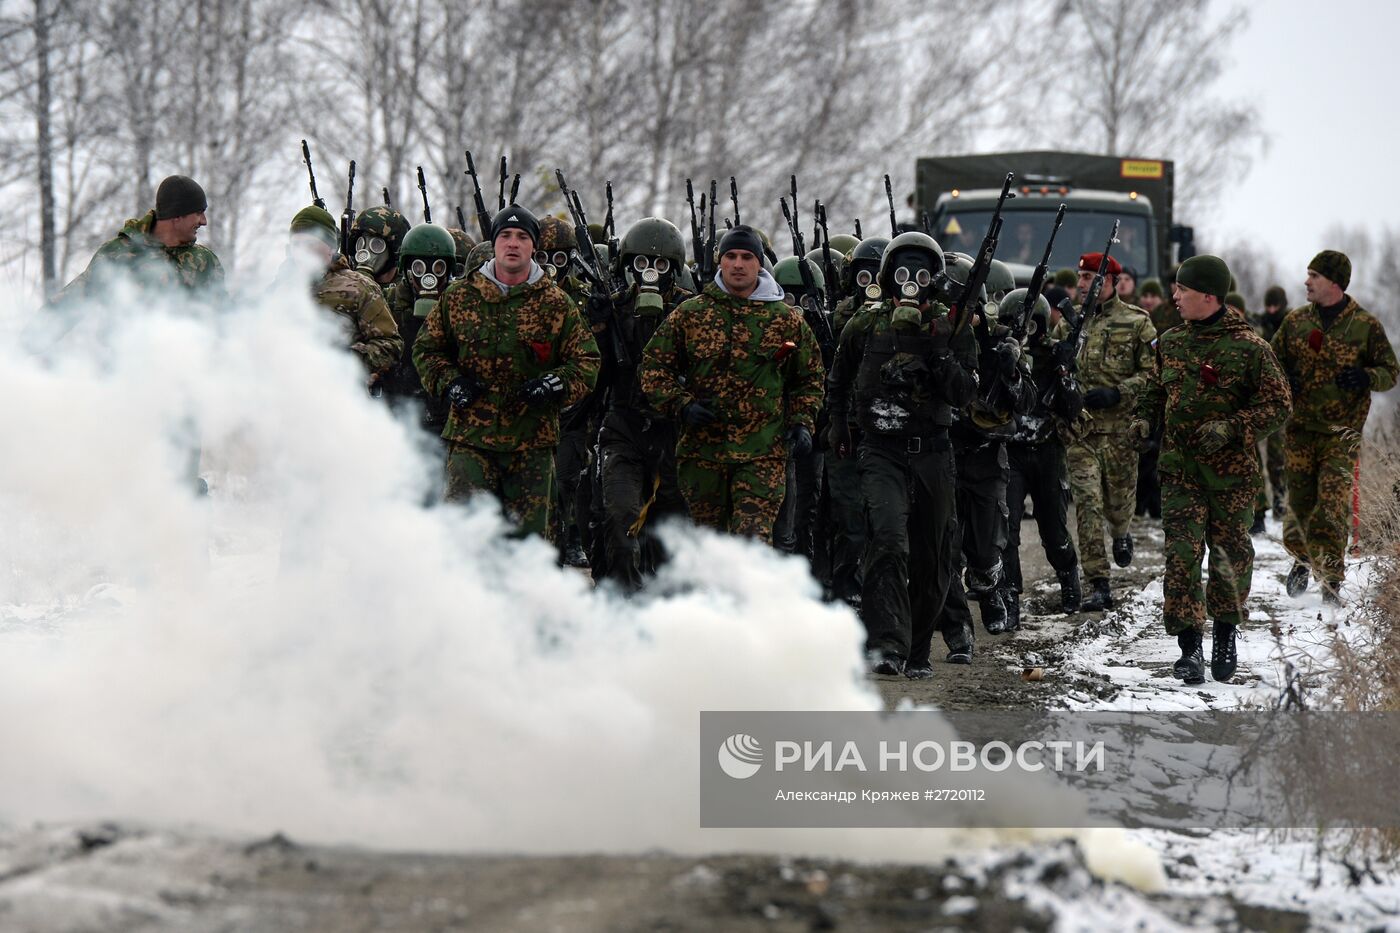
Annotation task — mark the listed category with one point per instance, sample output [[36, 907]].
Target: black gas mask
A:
[[427, 279], [555, 263], [372, 255], [863, 272]]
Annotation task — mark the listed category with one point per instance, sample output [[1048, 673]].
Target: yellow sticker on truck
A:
[[1142, 168]]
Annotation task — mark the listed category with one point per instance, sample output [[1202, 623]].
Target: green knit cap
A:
[[1066, 278], [1235, 300], [318, 221], [1151, 287], [1207, 274], [1334, 265]]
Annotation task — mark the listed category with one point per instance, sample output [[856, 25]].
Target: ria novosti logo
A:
[[741, 756]]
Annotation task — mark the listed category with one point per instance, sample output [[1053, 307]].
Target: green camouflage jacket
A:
[[369, 327], [504, 341], [729, 352], [150, 263], [1313, 356], [1214, 372], [1117, 354]]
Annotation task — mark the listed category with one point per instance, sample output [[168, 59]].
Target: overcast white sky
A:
[[1325, 77]]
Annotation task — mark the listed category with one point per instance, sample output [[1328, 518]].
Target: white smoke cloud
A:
[[312, 649]]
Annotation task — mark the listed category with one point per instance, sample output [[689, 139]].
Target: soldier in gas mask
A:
[[901, 368]]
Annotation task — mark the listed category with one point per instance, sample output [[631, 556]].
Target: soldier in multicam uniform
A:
[[902, 368], [1335, 355], [1217, 389], [506, 350], [636, 459], [157, 250], [1036, 458], [1113, 367], [369, 327], [462, 242], [742, 373]]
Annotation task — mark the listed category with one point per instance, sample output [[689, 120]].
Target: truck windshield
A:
[[1023, 236]]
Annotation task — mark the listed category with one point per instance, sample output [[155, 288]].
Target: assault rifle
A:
[[697, 245], [965, 301], [599, 275], [889, 196], [347, 216], [387, 203], [501, 193], [311, 173], [1079, 334], [811, 311], [828, 264], [1020, 325], [858, 236], [734, 197], [483, 219], [423, 187], [461, 219], [514, 188]]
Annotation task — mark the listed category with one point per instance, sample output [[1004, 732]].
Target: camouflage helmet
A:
[[843, 243], [910, 241], [463, 240], [787, 274], [375, 239], [1010, 306], [865, 257], [999, 278], [481, 254], [555, 235], [654, 236]]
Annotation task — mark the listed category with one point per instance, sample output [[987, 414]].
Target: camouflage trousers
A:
[[741, 498], [1103, 481], [1195, 518], [522, 479], [1319, 472]]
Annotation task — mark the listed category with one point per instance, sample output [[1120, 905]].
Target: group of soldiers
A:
[[852, 405]]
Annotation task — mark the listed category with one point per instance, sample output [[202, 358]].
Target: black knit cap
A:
[[515, 216], [741, 237], [179, 195]]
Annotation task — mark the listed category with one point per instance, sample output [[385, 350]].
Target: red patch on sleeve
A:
[[1315, 339], [1209, 374], [542, 350]]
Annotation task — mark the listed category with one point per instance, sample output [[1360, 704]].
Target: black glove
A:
[[799, 440], [1008, 354], [545, 390], [1106, 397], [600, 308], [839, 436], [463, 392], [1063, 354], [1354, 379], [698, 414]]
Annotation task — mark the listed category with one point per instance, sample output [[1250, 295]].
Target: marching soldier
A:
[[900, 369], [1217, 389], [742, 373], [1335, 354], [1112, 368], [505, 349], [1275, 310]]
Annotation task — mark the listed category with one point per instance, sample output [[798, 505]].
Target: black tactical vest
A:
[[893, 394]]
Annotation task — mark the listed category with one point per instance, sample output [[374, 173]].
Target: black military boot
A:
[[993, 613], [887, 665], [1191, 666], [574, 555], [1332, 595], [1012, 601], [1222, 651], [1297, 583], [918, 670], [1069, 590], [1099, 598], [1123, 550], [1258, 527]]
